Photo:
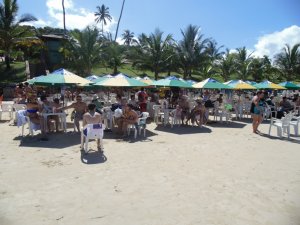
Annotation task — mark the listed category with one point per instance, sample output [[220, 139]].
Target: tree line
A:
[[194, 55]]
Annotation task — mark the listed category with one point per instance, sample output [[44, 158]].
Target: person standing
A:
[[142, 98], [79, 107], [257, 107]]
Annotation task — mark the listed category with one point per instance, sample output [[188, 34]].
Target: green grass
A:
[[15, 74]]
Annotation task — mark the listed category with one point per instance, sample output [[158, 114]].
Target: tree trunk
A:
[[115, 69], [119, 20], [64, 16], [7, 61], [156, 75]]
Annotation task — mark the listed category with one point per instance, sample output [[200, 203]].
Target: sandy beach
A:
[[220, 174]]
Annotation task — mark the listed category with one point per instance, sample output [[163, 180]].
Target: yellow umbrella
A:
[[268, 85], [239, 85]]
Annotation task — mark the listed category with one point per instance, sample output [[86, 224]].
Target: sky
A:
[[262, 26]]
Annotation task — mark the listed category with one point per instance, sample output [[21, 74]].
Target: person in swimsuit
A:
[[33, 110], [257, 110], [129, 117], [80, 108]]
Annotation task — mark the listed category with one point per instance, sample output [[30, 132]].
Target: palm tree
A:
[[243, 61], [190, 49], [288, 61], [102, 15], [10, 28], [226, 65], [127, 37], [119, 20], [85, 50], [113, 56], [152, 52]]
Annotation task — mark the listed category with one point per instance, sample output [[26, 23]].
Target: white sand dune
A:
[[220, 174]]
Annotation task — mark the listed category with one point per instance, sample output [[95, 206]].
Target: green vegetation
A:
[[15, 74]]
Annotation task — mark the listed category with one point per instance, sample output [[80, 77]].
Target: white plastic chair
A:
[[141, 124], [8, 108], [108, 117], [295, 124], [175, 120], [91, 132], [17, 107], [283, 125], [157, 113]]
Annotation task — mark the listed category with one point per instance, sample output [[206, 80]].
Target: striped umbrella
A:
[[120, 80], [239, 85], [171, 81], [146, 80], [210, 83], [268, 85], [61, 77]]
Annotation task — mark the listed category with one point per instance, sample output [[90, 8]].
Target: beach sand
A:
[[218, 174]]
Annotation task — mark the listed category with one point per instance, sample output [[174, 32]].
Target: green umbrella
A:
[[120, 80], [61, 77], [172, 82], [210, 83], [289, 85]]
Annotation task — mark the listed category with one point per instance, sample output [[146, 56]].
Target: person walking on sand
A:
[[257, 110]]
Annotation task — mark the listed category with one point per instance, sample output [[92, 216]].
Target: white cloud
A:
[[271, 44], [75, 17], [38, 23]]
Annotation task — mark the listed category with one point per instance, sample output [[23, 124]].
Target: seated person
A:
[[176, 113], [185, 107], [80, 109], [134, 103], [129, 117], [286, 106], [21, 100], [197, 114], [92, 117], [33, 110], [46, 107], [97, 104]]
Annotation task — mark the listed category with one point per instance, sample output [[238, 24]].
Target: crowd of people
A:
[[184, 106]]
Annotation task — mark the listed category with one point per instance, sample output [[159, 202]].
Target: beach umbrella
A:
[[61, 77], [268, 85], [171, 81], [210, 83], [31, 81], [146, 80], [120, 80], [289, 85], [239, 85], [92, 78], [253, 83]]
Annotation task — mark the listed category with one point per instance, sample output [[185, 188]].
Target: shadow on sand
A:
[[93, 157], [55, 140], [230, 124], [183, 129], [292, 139]]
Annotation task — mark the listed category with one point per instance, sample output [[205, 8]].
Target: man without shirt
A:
[[80, 109]]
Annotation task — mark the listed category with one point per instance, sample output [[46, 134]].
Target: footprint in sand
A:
[[52, 163]]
